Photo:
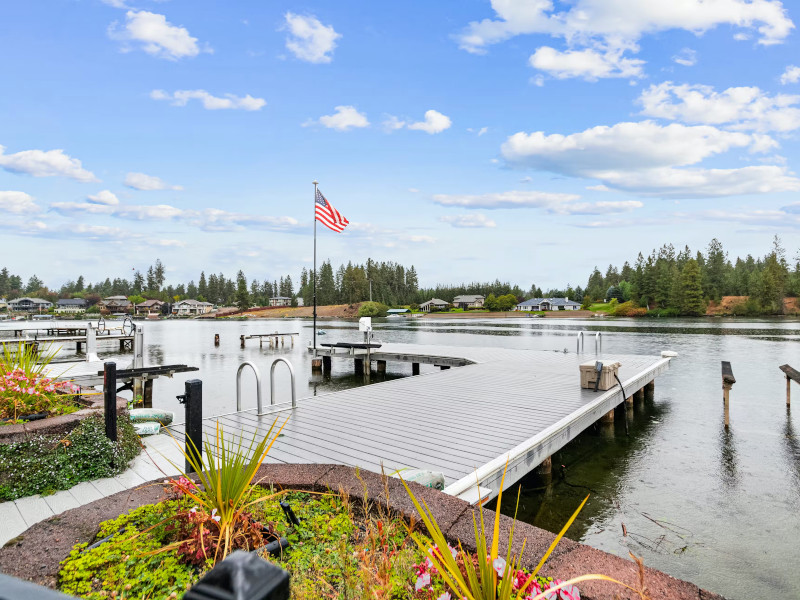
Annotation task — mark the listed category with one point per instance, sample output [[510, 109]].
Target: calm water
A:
[[721, 509]]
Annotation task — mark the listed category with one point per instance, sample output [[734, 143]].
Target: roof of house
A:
[[72, 302], [434, 301], [149, 303], [280, 298], [192, 302], [396, 311], [116, 298], [550, 301], [34, 300], [468, 298]]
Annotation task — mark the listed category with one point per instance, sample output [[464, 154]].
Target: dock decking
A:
[[505, 405]]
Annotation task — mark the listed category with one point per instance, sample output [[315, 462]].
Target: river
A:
[[718, 508]]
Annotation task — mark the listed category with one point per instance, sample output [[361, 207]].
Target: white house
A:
[[469, 301], [280, 301], [186, 308], [434, 304], [548, 304], [73, 306]]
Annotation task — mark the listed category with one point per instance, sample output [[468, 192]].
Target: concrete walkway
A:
[[152, 463]]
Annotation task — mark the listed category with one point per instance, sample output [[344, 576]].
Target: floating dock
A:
[[502, 405]]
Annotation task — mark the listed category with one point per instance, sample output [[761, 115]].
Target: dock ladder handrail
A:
[[579, 342], [598, 342], [272, 381], [259, 401]]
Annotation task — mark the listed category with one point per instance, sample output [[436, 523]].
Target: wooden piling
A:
[[147, 397], [444, 367], [326, 364], [727, 383], [650, 390], [608, 418], [791, 375], [216, 339], [415, 368], [546, 467], [638, 395], [629, 402], [121, 345], [241, 339]]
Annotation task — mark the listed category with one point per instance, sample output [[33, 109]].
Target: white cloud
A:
[[597, 34], [791, 75], [553, 203], [513, 199], [624, 21], [140, 181], [435, 122], [115, 3], [155, 35], [229, 101], [598, 188], [105, 197], [482, 130], [740, 108], [632, 145], [588, 63], [686, 57], [413, 190], [309, 39], [17, 203], [644, 158], [345, 118], [392, 123], [468, 221], [50, 163]]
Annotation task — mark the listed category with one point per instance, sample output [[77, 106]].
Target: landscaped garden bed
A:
[[47, 463]]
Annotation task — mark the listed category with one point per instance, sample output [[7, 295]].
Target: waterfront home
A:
[[3, 304], [116, 304], [397, 311], [280, 301], [434, 304], [148, 307], [191, 308], [548, 304], [73, 306], [469, 301], [30, 305]]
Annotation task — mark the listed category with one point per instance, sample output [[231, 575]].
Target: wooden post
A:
[[326, 364], [638, 395], [367, 367], [216, 339], [608, 418], [727, 383], [650, 390], [147, 397], [788, 391], [241, 339], [415, 368], [110, 399], [629, 402], [316, 365], [791, 374], [546, 467], [193, 427]]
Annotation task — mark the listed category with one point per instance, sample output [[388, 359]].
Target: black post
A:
[[194, 421], [110, 398]]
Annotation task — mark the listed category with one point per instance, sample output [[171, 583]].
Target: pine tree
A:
[[202, 286], [242, 296], [692, 302]]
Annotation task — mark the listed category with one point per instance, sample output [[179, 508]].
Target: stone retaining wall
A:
[[35, 554]]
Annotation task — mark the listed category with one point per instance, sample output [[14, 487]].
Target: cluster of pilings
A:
[[362, 365]]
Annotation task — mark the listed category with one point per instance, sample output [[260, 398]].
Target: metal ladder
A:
[[259, 398]]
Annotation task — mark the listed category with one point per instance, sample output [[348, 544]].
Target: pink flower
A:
[[499, 565], [423, 581], [215, 516], [569, 592]]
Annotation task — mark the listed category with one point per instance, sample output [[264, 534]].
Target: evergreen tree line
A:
[[390, 283], [684, 282]]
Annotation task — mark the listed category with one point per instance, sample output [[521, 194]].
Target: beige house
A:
[[469, 301], [280, 301], [434, 304], [73, 306], [191, 308], [149, 307]]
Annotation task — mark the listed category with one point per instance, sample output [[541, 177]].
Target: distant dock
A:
[[500, 405]]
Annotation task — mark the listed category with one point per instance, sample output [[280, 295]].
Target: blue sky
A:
[[524, 140]]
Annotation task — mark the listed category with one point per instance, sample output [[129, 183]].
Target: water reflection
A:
[[791, 447], [729, 474]]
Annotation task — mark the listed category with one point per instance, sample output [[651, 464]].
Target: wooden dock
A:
[[504, 405]]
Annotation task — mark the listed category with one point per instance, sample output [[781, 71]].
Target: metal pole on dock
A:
[[110, 399], [315, 182]]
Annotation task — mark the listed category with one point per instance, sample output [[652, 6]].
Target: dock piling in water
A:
[[791, 375], [727, 383]]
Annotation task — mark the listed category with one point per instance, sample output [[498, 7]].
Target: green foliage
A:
[[663, 312], [339, 551], [501, 303], [600, 307], [691, 290], [372, 309], [629, 309], [136, 299], [46, 463]]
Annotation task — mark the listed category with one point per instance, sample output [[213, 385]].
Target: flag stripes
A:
[[327, 215]]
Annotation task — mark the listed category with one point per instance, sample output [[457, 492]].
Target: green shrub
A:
[[372, 309], [664, 312], [44, 464], [627, 309]]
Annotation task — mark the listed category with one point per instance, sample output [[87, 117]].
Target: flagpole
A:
[[315, 182]]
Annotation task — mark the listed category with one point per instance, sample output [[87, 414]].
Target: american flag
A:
[[327, 215]]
